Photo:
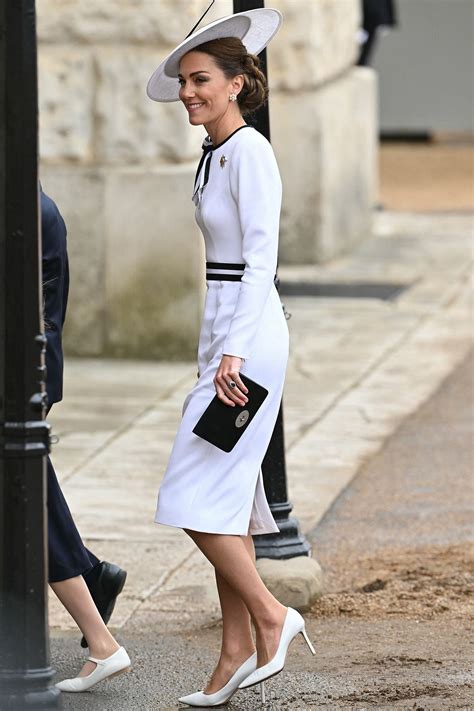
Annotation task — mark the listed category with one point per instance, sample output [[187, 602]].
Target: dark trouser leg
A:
[[67, 555], [92, 558]]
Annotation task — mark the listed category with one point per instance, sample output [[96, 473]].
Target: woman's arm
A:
[[256, 188]]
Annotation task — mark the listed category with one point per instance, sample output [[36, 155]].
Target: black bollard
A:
[[25, 672], [289, 543]]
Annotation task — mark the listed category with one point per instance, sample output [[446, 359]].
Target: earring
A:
[[233, 97]]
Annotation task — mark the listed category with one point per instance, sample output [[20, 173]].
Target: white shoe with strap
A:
[[117, 663]]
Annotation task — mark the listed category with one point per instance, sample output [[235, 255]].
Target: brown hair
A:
[[232, 58]]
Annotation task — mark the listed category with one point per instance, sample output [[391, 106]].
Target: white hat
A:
[[255, 28]]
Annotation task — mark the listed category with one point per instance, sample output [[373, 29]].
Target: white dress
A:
[[238, 211]]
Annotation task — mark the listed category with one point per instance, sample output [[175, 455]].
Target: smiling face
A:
[[205, 89]]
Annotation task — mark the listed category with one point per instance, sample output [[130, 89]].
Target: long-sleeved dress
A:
[[238, 201]]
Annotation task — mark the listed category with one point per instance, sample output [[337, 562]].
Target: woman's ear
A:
[[237, 83]]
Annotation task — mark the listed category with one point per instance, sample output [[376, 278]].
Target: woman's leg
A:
[[237, 640], [76, 598], [230, 557]]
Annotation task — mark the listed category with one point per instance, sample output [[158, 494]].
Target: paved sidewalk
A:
[[394, 628], [358, 368]]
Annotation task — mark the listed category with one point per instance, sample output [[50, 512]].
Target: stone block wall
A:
[[121, 167], [324, 129]]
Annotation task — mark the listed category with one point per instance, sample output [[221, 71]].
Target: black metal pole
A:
[[25, 672], [289, 543]]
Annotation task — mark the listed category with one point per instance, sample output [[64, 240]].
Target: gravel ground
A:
[[393, 630], [427, 176]]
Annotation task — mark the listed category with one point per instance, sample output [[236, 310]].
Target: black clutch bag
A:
[[223, 425]]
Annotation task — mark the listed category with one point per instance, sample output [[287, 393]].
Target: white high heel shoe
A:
[[117, 663], [218, 698], [293, 625]]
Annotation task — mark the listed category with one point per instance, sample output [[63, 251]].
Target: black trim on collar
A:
[[209, 147], [230, 136]]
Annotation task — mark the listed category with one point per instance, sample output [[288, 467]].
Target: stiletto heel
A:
[[308, 641], [262, 693], [293, 625]]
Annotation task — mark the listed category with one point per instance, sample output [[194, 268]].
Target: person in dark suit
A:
[[86, 586], [376, 14]]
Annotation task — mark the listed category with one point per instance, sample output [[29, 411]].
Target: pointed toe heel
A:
[[221, 697], [293, 625]]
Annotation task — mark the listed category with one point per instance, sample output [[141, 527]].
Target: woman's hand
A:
[[229, 386]]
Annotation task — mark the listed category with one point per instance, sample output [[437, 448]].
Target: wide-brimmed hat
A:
[[255, 28]]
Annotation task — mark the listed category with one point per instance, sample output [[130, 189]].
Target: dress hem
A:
[[252, 532]]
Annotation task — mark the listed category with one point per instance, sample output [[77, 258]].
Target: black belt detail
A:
[[224, 265], [223, 277]]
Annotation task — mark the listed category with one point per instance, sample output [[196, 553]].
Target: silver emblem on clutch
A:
[[242, 418]]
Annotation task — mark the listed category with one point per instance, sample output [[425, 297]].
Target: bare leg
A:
[[230, 557], [76, 598], [249, 546], [237, 640]]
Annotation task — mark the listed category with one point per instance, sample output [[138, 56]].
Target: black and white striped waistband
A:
[[224, 271]]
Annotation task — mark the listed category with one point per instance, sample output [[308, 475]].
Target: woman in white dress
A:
[[218, 497]]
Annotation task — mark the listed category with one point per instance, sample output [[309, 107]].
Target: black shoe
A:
[[105, 582]]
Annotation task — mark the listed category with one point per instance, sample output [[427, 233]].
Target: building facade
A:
[[121, 167]]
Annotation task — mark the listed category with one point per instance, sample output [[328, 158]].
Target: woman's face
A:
[[205, 89]]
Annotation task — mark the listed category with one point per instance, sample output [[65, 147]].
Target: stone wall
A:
[[121, 169], [121, 166], [324, 129]]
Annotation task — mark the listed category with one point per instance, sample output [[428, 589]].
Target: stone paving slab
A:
[[357, 368]]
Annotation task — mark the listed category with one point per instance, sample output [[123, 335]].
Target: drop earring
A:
[[233, 97]]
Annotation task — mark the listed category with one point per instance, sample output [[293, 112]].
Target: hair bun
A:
[[255, 89]]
